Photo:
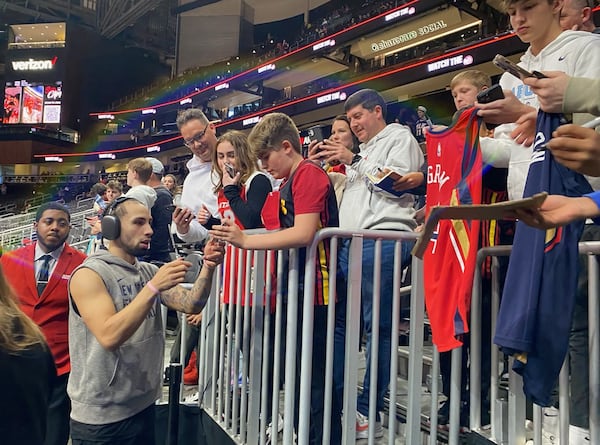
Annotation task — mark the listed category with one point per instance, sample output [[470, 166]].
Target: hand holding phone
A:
[[509, 66], [230, 170], [490, 95], [316, 133]]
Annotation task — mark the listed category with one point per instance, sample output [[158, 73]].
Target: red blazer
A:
[[51, 310]]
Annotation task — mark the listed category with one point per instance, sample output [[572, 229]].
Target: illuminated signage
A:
[[250, 121], [106, 116], [399, 13], [34, 65], [269, 67], [324, 44], [223, 86], [338, 95], [107, 156], [53, 159], [416, 32], [149, 111], [408, 36], [185, 101], [450, 61], [153, 149]]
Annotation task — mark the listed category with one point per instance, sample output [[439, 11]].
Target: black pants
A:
[[135, 430], [59, 409]]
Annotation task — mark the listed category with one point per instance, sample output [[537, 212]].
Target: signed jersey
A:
[[453, 178], [539, 292]]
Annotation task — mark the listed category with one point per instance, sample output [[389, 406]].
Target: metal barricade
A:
[[508, 415], [248, 352]]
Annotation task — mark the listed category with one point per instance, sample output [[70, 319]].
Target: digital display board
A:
[[32, 103], [33, 91]]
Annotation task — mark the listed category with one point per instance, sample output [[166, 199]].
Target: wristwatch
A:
[[355, 159]]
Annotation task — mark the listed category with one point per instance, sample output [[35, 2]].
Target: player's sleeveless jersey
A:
[[453, 178], [236, 260], [539, 291]]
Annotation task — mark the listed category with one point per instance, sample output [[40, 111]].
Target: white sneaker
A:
[[578, 435], [279, 429], [192, 398], [362, 427], [550, 426]]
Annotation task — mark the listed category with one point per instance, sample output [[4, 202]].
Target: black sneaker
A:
[[444, 413]]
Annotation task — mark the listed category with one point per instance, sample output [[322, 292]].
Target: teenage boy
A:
[[307, 204], [576, 53], [139, 171]]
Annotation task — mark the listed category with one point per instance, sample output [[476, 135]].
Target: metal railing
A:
[[249, 371]]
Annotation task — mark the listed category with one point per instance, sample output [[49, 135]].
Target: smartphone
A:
[[316, 133], [173, 207], [507, 65], [230, 170], [490, 95]]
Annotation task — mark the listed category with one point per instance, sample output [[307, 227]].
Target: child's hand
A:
[[230, 232], [228, 180]]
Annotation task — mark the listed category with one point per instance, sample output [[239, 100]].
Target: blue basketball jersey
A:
[[537, 303]]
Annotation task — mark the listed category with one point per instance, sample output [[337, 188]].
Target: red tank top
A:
[[236, 261]]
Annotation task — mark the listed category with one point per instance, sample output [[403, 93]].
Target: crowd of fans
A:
[[109, 308]]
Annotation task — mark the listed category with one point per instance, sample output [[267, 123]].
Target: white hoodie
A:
[[576, 53], [197, 190]]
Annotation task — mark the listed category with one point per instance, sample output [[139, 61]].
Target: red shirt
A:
[[50, 311]]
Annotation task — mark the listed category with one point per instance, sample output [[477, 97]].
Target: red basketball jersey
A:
[[453, 178], [236, 260]]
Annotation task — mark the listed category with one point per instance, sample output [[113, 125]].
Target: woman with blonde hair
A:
[[26, 373], [171, 184]]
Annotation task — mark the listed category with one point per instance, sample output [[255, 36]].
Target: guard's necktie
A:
[[42, 280]]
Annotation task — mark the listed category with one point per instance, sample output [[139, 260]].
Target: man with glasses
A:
[[39, 273], [199, 135]]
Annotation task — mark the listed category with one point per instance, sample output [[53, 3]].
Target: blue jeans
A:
[[385, 323]]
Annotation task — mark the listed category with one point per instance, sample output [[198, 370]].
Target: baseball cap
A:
[[422, 108], [157, 166]]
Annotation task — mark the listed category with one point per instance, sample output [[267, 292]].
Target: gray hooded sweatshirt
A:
[[110, 386]]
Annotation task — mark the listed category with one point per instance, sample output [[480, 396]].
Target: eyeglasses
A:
[[192, 141]]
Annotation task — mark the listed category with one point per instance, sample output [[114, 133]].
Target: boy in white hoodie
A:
[[576, 53]]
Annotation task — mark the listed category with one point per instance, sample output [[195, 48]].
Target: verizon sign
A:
[[34, 65]]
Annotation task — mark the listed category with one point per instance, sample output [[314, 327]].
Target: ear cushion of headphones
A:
[[111, 227]]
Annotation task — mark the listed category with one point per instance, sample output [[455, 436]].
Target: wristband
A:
[[153, 288], [594, 196]]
